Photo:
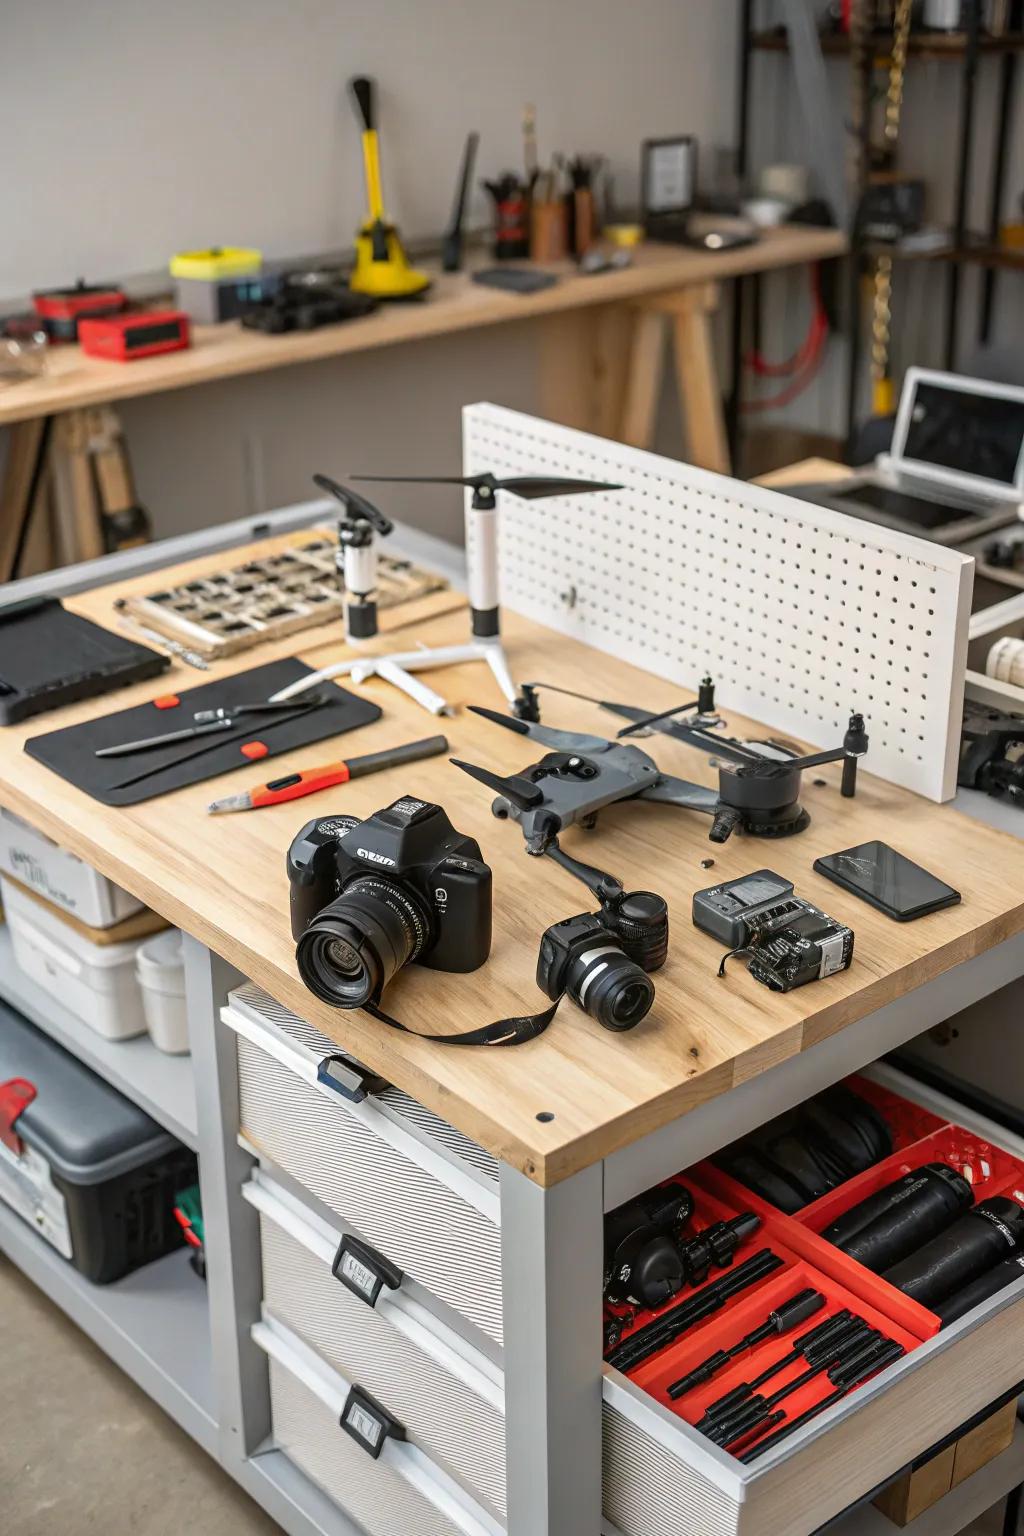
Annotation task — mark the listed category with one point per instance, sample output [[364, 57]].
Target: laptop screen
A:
[[958, 429]]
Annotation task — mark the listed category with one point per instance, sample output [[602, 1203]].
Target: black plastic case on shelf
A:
[[87, 1168]]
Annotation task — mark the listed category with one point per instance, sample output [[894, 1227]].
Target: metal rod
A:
[[971, 9], [1007, 82]]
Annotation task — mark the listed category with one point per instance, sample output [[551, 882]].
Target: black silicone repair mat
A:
[[71, 752]]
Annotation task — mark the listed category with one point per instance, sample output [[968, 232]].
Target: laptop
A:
[[956, 467]]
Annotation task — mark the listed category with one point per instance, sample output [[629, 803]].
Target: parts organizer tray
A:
[[265, 599]]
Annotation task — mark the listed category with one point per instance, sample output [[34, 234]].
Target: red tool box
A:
[[121, 338], [918, 1137], [60, 309]]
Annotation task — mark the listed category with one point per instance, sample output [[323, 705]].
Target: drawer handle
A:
[[368, 1423], [337, 1072], [364, 1271]]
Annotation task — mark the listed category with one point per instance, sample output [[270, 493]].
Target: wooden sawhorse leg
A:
[[690, 313]]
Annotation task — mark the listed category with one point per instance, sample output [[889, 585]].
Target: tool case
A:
[[88, 1169], [60, 876]]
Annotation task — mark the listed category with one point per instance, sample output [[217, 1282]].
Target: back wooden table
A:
[[580, 1119]]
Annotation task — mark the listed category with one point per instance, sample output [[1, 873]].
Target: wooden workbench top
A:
[[455, 303], [223, 880]]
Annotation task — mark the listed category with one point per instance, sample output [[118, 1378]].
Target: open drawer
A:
[[410, 1184], [663, 1478]]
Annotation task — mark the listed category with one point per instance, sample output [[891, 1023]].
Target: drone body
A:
[[758, 783]]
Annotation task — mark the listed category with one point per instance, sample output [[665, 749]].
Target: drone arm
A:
[[603, 885], [679, 792]]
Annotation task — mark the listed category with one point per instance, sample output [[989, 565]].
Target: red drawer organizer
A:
[[808, 1261]]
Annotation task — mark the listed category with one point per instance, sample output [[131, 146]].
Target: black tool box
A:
[[87, 1168]]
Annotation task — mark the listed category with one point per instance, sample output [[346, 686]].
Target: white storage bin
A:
[[160, 966], [411, 1185], [61, 876], [661, 1478], [95, 982], [449, 1396], [397, 1492]]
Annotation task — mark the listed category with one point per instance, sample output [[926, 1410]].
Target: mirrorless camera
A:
[[368, 897], [602, 959]]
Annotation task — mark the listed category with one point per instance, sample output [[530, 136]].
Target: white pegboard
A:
[[801, 614]]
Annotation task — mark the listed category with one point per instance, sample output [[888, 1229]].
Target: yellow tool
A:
[[219, 262], [382, 268]]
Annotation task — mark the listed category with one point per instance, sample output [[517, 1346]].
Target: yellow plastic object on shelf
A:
[[382, 268], [218, 262], [625, 236]]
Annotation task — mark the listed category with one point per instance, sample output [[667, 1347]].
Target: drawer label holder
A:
[[368, 1422], [346, 1077], [364, 1271]]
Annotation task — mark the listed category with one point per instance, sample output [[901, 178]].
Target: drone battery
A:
[[730, 912], [121, 338]]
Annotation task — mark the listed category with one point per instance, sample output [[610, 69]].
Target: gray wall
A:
[[143, 128]]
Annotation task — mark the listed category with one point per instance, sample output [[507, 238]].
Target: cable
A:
[[802, 367]]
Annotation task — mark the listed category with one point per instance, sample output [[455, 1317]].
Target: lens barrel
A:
[[967, 1249], [608, 985], [898, 1219], [358, 942], [639, 920]]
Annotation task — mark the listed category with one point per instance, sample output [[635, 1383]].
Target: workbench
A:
[[577, 1121], [601, 340]]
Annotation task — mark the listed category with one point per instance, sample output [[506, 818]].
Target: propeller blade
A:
[[520, 792], [529, 487], [666, 714], [562, 741], [533, 487], [510, 723], [354, 503], [474, 482], [693, 736]]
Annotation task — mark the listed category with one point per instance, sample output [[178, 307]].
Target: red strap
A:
[[15, 1095]]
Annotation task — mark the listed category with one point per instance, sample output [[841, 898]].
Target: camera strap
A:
[[511, 1031]]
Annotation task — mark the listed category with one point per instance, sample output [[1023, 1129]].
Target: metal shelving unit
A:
[[162, 1085], [154, 1324], [966, 248]]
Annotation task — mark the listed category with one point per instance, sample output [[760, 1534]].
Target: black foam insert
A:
[[71, 752]]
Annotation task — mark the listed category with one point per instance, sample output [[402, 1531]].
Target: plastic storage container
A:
[[88, 1169], [95, 982], [160, 967], [60, 876]]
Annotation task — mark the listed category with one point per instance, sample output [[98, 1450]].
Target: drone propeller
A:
[[354, 504], [523, 795], [529, 487], [561, 741]]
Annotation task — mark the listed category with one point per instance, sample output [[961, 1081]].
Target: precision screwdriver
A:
[[845, 1381], [821, 1334], [796, 1310], [841, 1352], [294, 786]]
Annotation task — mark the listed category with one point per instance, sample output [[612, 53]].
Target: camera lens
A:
[[610, 987], [639, 921], [356, 944]]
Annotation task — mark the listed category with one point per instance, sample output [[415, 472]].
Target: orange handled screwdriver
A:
[[295, 785]]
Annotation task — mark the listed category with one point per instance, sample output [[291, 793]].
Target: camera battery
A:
[[728, 911]]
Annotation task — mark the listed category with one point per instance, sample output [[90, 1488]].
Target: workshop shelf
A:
[[154, 1323], [162, 1085]]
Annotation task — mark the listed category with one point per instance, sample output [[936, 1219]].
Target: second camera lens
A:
[[610, 987]]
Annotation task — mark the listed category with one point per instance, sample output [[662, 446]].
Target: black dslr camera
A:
[[369, 896], [602, 959]]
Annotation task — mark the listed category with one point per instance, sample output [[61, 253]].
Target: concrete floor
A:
[[84, 1453]]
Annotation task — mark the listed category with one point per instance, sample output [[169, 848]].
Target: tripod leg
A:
[[495, 659], [417, 691]]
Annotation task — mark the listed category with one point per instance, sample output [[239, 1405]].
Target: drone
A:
[[758, 782]]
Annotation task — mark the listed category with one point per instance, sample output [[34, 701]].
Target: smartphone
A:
[[887, 880]]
